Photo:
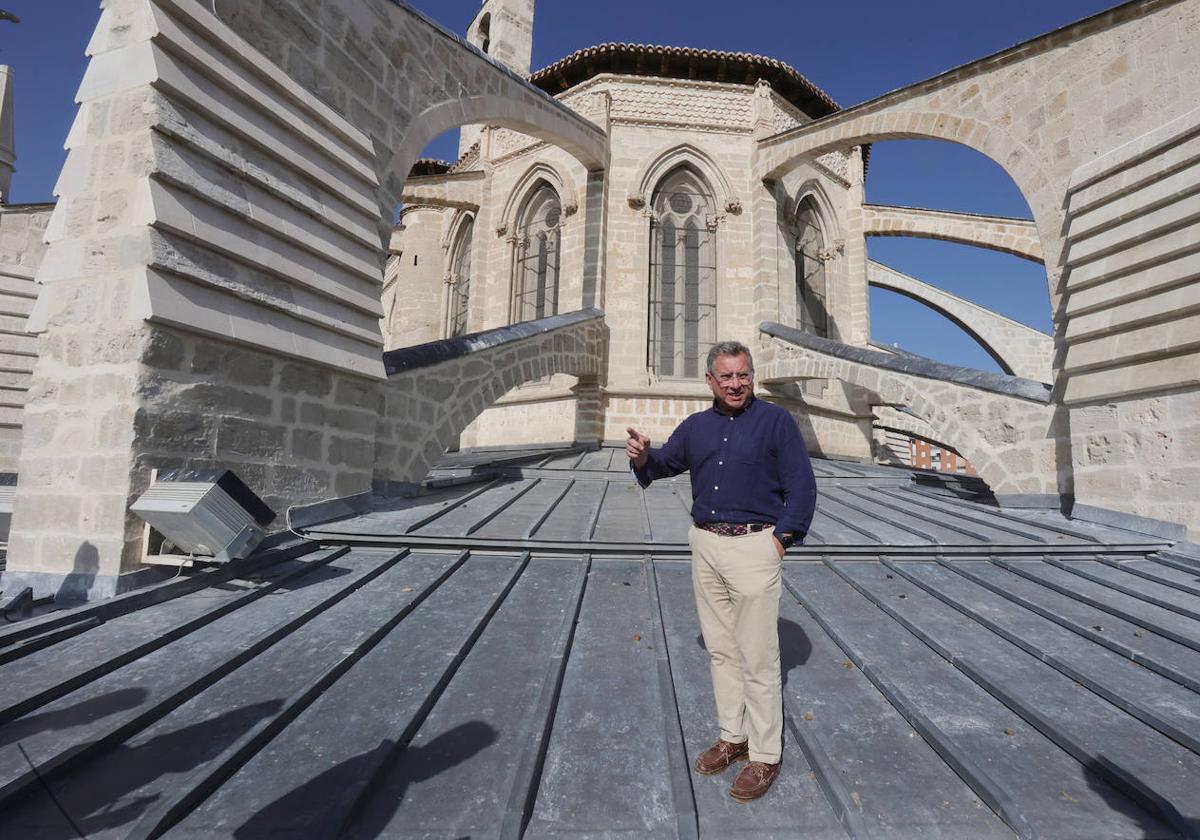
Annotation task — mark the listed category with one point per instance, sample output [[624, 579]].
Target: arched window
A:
[[459, 281], [812, 316], [683, 275], [485, 32], [539, 245]]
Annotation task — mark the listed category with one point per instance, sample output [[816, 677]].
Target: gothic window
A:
[[539, 246], [811, 292], [485, 33], [683, 275], [459, 281]]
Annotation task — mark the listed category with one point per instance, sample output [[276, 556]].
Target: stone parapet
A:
[[435, 390], [1000, 423]]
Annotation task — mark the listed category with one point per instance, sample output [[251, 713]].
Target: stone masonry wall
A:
[[1131, 374], [431, 396], [297, 432], [414, 297], [1095, 124], [656, 124], [1007, 438], [208, 195], [21, 248]]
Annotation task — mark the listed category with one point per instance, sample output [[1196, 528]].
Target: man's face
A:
[[731, 381]]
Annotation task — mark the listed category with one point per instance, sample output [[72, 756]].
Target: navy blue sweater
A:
[[747, 467]]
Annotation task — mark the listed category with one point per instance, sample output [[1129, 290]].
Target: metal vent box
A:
[[206, 512]]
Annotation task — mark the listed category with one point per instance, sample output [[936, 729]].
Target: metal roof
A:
[[517, 652]]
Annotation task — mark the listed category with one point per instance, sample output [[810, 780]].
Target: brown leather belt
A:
[[734, 529]]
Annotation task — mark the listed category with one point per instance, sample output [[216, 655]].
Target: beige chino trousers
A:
[[737, 583]]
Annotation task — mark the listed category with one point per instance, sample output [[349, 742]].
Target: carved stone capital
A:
[[832, 251]]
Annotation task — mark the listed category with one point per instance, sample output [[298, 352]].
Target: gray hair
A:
[[728, 348]]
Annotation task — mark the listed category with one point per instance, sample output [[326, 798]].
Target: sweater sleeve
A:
[[668, 460], [799, 485]]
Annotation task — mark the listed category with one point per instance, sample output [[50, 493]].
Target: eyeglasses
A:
[[730, 378]]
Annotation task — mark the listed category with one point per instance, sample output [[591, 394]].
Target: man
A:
[[753, 495]]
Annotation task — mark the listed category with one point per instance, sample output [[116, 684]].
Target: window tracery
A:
[[812, 315], [459, 279], [683, 274], [538, 250]]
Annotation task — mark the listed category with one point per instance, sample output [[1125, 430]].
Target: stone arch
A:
[[483, 33], [950, 316], [880, 279], [456, 222], [1017, 237], [527, 112], [1001, 424], [527, 183], [1005, 438], [1019, 350], [450, 383], [813, 189], [782, 152], [669, 159]]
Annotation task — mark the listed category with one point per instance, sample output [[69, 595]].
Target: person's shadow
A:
[[1100, 774], [372, 815], [67, 717], [794, 647], [75, 586], [114, 791]]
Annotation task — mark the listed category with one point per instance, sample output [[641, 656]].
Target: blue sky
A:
[[854, 53]]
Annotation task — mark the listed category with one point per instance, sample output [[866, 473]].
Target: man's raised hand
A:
[[637, 447]]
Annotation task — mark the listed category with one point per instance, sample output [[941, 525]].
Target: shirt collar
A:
[[745, 408]]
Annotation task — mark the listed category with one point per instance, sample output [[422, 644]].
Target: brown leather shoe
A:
[[720, 755], [754, 780]]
